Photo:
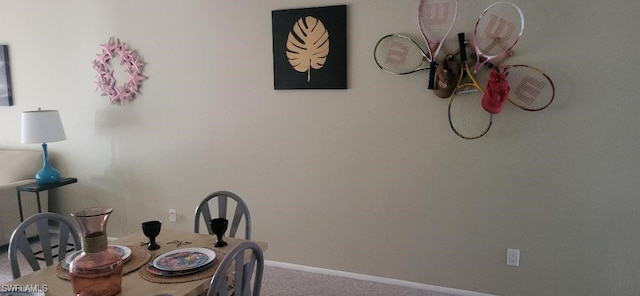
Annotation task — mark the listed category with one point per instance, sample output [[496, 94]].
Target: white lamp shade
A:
[[42, 126]]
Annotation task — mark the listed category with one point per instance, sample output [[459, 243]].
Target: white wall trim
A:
[[371, 278]]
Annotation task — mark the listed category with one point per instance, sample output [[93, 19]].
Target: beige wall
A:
[[369, 179]]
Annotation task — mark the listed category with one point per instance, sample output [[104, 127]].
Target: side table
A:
[[35, 187]]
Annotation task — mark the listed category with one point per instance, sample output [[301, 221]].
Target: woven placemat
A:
[[139, 257], [205, 273]]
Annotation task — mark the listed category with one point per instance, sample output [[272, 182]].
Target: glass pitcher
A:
[[98, 269]]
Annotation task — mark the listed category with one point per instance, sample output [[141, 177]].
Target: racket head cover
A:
[[496, 92], [446, 77]]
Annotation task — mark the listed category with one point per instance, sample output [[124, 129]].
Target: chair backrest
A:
[[44, 222], [245, 266], [203, 213]]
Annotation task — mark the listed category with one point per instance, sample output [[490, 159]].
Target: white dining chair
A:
[[241, 270], [219, 202], [44, 224]]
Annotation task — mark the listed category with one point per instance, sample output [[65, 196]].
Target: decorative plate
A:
[[153, 270], [124, 252], [184, 259], [67, 259]]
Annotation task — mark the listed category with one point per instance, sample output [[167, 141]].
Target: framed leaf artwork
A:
[[310, 48], [6, 97]]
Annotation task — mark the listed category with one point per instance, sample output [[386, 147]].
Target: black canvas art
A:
[[5, 77], [310, 48]]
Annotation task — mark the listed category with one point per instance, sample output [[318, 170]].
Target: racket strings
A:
[[396, 53], [466, 116], [436, 19], [399, 54], [498, 29], [531, 89], [496, 38], [498, 63]]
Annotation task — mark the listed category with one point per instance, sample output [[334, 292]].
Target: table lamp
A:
[[43, 126]]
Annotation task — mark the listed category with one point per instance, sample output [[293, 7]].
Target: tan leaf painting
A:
[[308, 45]]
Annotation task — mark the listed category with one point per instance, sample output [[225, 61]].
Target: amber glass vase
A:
[[98, 269]]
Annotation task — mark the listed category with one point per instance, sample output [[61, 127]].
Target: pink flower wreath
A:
[[107, 83]]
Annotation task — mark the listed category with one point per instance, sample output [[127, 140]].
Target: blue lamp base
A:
[[47, 174]]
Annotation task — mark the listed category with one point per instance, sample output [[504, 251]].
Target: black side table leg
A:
[[20, 206], [38, 199]]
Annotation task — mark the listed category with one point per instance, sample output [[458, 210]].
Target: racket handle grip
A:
[[432, 74], [463, 47]]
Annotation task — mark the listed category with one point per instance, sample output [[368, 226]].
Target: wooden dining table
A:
[[133, 283]]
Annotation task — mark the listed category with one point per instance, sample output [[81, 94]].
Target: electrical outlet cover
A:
[[513, 257]]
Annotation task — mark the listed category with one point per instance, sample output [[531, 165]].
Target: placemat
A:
[[205, 273], [139, 257]]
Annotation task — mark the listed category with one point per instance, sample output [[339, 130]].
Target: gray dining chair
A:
[[43, 224], [241, 269], [219, 201]]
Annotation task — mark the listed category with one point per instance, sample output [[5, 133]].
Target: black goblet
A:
[[151, 229], [219, 227]]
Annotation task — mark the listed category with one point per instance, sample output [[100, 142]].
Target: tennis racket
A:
[[436, 19], [531, 88], [467, 118], [497, 31], [399, 54]]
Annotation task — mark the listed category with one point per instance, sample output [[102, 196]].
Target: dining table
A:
[[138, 281]]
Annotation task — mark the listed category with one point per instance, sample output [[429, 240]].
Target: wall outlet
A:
[[513, 257], [173, 216]]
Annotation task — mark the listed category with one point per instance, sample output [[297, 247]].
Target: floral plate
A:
[[184, 259]]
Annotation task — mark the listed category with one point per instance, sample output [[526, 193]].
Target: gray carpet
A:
[[287, 282], [5, 267]]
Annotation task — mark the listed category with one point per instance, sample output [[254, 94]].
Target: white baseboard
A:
[[371, 278]]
